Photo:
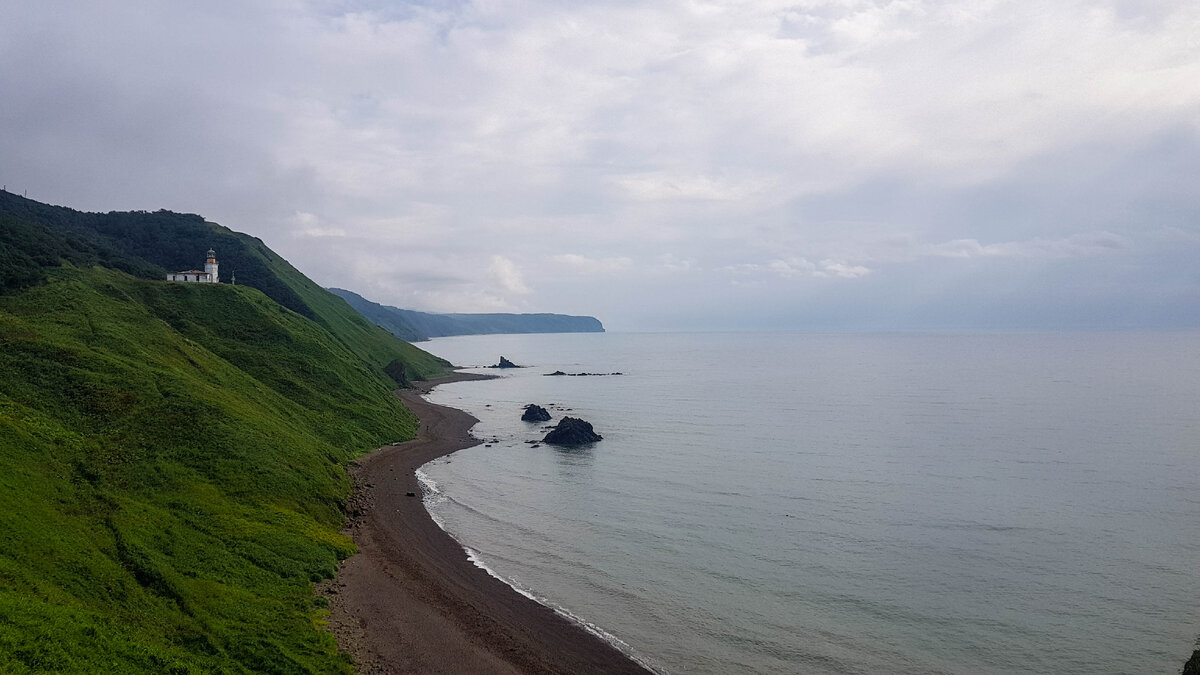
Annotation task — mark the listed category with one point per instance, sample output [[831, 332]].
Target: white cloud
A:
[[905, 250], [668, 263], [439, 145], [801, 268], [790, 268], [656, 186], [507, 275], [841, 270], [309, 225], [586, 265], [1079, 245]]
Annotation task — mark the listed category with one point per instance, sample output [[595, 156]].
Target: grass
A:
[[172, 471], [371, 343]]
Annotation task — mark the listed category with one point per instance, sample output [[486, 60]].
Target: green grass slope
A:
[[34, 237], [171, 476], [372, 343]]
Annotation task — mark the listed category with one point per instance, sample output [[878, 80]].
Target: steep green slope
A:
[[171, 463], [172, 455], [372, 343], [34, 236]]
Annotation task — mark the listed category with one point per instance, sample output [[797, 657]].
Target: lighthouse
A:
[[208, 276], [210, 266]]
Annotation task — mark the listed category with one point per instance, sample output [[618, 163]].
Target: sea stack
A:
[[505, 363], [572, 431], [535, 413]]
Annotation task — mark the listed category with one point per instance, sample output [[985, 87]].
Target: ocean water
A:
[[795, 503]]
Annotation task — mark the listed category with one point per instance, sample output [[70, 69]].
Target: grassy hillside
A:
[[172, 455], [172, 461], [34, 237], [372, 343]]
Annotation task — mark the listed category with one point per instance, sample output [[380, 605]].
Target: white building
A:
[[207, 276]]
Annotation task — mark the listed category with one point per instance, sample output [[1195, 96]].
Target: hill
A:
[[172, 456], [34, 237], [414, 326]]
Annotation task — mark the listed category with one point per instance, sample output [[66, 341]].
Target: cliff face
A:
[[412, 325], [172, 455]]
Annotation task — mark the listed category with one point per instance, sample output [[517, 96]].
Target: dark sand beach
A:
[[411, 602]]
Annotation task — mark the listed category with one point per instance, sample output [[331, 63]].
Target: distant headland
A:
[[414, 326]]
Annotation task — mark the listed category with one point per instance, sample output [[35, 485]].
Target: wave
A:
[[433, 496], [590, 627]]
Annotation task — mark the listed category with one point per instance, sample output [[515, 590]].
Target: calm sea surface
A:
[[794, 503]]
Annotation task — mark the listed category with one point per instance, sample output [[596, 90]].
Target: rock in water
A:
[[535, 413], [505, 363], [572, 431], [1192, 667]]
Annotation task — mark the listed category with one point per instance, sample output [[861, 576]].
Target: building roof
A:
[[192, 272]]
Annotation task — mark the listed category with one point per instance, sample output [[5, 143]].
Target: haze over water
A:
[[780, 503]]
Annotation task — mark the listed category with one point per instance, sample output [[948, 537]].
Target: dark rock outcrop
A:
[[1192, 667], [555, 373], [572, 431], [535, 413], [395, 370], [505, 363]]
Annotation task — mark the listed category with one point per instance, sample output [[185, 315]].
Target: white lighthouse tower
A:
[[208, 276], [210, 266]]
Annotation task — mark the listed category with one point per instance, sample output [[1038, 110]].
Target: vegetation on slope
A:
[[172, 461], [172, 455], [36, 236], [412, 325], [372, 343]]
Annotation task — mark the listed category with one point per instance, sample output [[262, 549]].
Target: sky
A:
[[670, 165]]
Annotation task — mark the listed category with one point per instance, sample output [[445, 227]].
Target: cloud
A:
[[659, 186], [507, 275], [841, 270], [905, 250], [797, 268], [431, 152], [309, 225], [1086, 244], [791, 268], [585, 265], [668, 263]]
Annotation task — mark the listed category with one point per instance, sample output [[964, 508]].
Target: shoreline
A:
[[411, 601]]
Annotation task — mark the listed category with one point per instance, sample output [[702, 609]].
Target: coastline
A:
[[410, 601]]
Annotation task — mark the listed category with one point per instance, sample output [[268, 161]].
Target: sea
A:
[[843, 503]]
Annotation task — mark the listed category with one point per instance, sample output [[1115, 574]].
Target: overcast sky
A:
[[804, 164]]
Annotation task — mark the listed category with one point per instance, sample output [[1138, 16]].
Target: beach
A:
[[410, 601]]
